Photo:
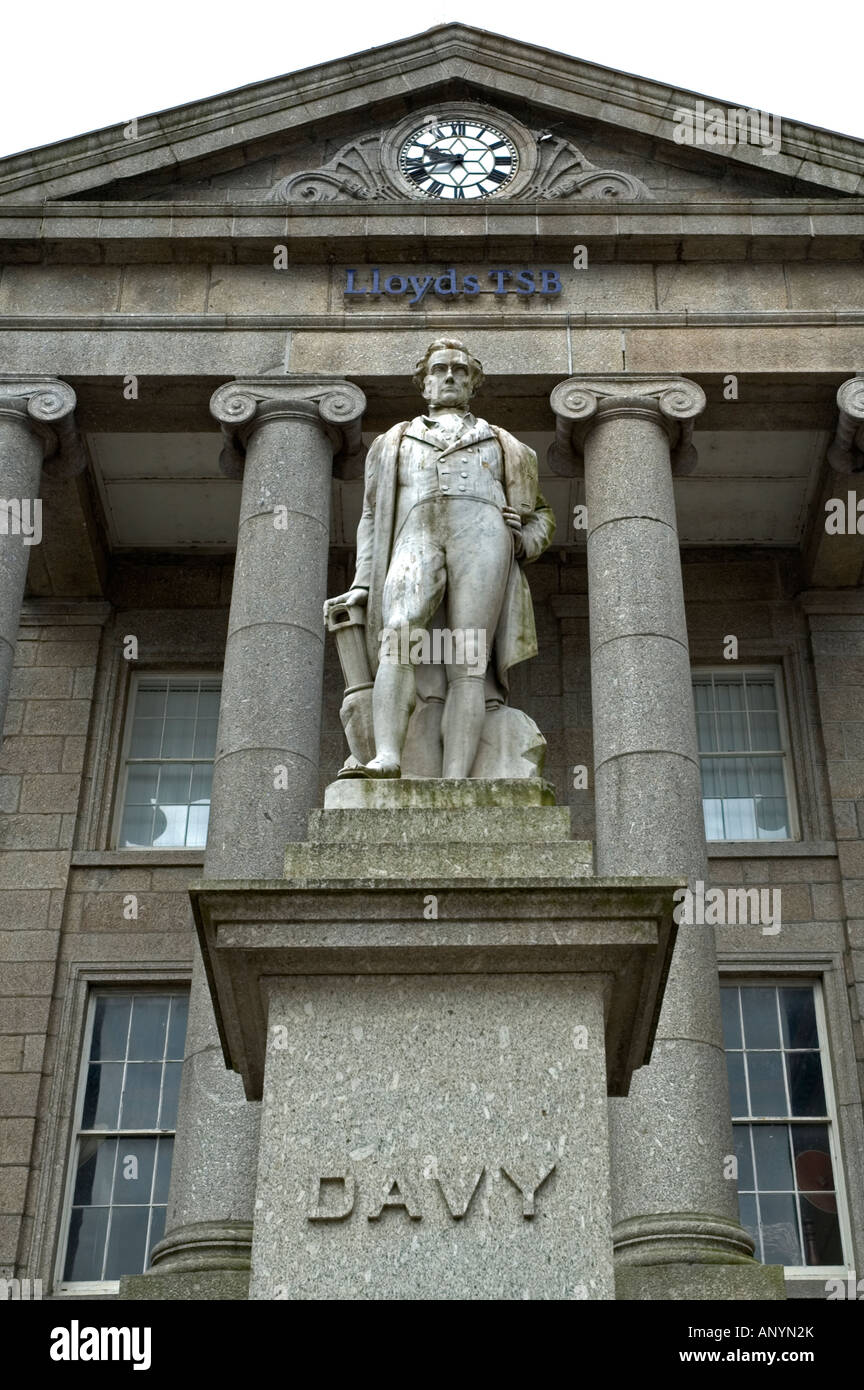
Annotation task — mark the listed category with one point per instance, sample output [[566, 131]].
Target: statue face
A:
[[448, 379]]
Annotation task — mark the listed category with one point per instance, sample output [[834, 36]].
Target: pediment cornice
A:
[[488, 63]]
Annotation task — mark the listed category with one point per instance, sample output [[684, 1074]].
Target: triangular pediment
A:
[[595, 132]]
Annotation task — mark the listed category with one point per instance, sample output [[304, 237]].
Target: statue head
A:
[[447, 374]]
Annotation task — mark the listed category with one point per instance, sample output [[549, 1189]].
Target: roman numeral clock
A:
[[459, 154], [459, 158]]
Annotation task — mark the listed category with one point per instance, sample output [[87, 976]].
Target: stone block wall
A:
[[41, 769]]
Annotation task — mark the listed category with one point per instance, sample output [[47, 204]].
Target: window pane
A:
[[174, 783], [171, 825], [729, 694], [764, 729], [737, 1084], [133, 1177], [177, 1026], [170, 1095], [821, 1231], [732, 731], [163, 1170], [181, 703], [205, 738], [780, 1229], [806, 1090], [137, 827], [196, 827], [813, 1167], [761, 694], [739, 819], [703, 695], [750, 1220], [767, 1092], [713, 819], [766, 777], [759, 1008], [87, 1230], [746, 1181], [705, 731], [149, 1027], [141, 1095], [127, 1243], [798, 1013], [208, 704], [178, 741], [150, 701], [110, 1027], [95, 1174], [772, 818], [141, 784], [146, 738], [731, 1017], [102, 1095], [157, 1229], [202, 782], [773, 1159]]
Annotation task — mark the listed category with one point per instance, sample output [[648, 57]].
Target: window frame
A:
[[122, 777], [777, 673], [93, 989], [815, 981]]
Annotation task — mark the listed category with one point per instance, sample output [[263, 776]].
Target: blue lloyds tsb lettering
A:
[[449, 284]]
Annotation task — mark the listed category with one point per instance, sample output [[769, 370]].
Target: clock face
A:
[[458, 159]]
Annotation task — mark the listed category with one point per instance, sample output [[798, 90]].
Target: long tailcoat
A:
[[515, 636]]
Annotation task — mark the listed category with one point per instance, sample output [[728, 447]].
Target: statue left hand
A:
[[514, 521]]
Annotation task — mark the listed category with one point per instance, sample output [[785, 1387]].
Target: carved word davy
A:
[[332, 1196]]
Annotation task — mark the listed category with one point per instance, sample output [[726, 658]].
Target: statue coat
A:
[[515, 635]]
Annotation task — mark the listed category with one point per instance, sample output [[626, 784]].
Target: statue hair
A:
[[456, 345]]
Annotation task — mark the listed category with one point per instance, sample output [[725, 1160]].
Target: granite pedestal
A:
[[433, 1006]]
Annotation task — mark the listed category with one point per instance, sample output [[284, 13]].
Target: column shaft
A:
[[675, 1211], [265, 782]]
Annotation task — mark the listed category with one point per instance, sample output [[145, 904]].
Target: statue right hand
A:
[[354, 598]]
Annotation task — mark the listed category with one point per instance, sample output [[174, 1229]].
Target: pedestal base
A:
[[434, 1005]]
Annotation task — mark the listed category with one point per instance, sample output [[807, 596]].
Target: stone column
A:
[[281, 436], [36, 418], [676, 1230]]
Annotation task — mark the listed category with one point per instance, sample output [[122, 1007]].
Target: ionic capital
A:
[[846, 450], [337, 406], [46, 406], [580, 402]]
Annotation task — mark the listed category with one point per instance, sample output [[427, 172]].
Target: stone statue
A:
[[451, 513]]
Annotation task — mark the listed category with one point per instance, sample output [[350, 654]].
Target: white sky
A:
[[77, 65]]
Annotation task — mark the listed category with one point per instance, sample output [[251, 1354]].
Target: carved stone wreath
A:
[[365, 169]]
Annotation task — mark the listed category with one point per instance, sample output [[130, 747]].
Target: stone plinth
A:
[[433, 1006]]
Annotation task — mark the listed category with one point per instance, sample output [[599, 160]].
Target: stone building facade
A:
[[200, 314]]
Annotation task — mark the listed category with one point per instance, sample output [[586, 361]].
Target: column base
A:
[[683, 1282], [204, 1260], [690, 1255]]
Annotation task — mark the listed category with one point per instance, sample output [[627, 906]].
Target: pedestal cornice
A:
[[46, 406], [579, 403], [336, 405]]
